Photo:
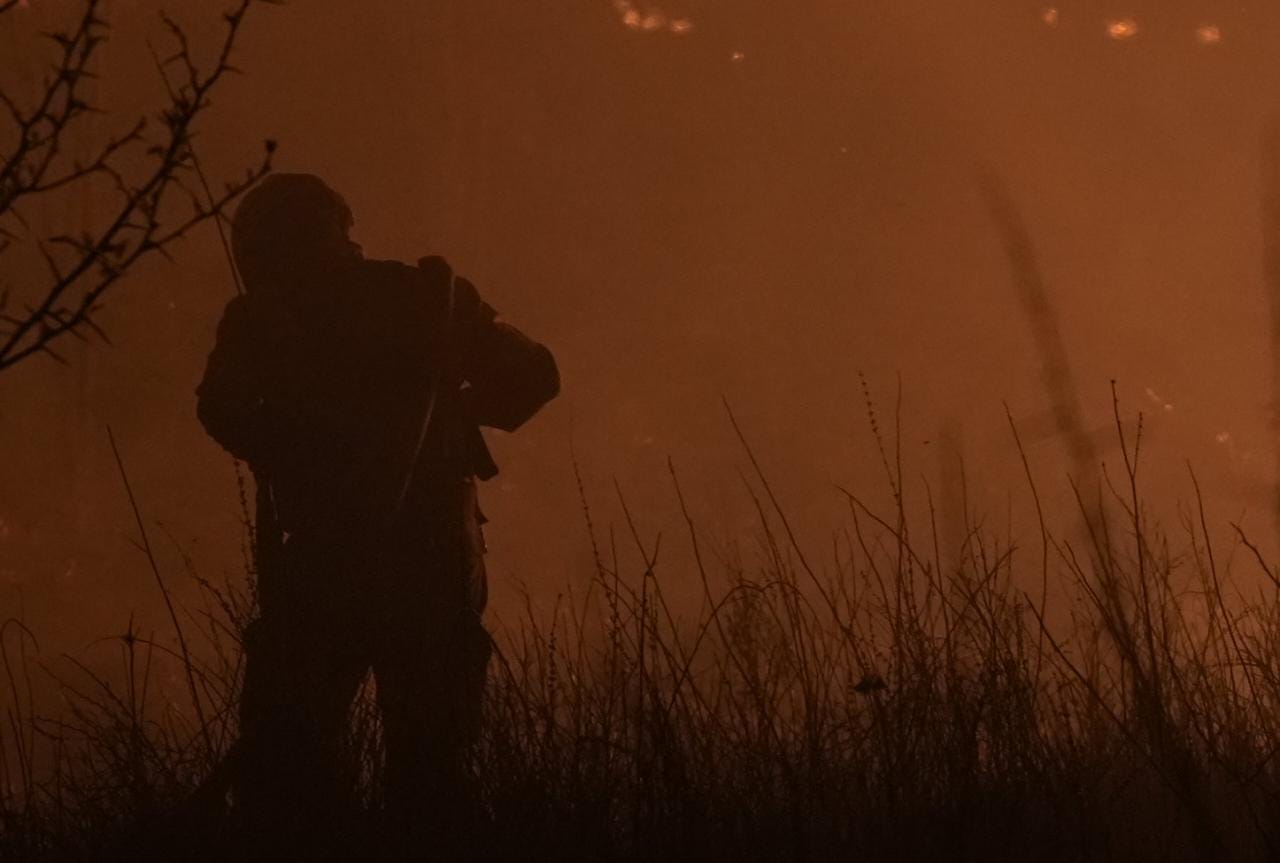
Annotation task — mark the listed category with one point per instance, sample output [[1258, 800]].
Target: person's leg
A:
[[303, 665], [430, 663], [431, 695]]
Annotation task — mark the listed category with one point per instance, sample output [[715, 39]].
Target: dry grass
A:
[[887, 703]]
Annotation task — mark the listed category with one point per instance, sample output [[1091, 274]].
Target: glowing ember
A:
[[1050, 17], [737, 56], [1123, 28], [1159, 400], [1209, 34], [649, 19]]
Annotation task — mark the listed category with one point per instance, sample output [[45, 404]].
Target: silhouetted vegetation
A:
[[878, 702], [145, 170]]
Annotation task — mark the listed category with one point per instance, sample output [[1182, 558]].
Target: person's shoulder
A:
[[396, 281], [396, 276], [388, 271], [236, 312]]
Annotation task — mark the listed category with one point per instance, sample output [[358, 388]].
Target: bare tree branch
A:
[[152, 207]]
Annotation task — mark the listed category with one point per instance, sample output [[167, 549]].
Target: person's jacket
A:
[[358, 398]]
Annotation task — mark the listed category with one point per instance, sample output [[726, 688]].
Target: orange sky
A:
[[752, 201]]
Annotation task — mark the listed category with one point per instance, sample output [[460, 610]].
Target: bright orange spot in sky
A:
[[1050, 16], [648, 19], [1123, 28], [1209, 34]]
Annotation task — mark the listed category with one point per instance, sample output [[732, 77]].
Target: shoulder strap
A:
[[432, 397]]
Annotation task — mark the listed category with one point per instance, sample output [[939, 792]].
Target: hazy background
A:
[[755, 208]]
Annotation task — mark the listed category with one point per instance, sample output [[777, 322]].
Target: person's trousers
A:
[[331, 613]]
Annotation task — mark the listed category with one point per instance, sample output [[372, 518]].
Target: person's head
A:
[[290, 224]]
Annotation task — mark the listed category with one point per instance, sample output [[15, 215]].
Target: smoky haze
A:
[[697, 202]]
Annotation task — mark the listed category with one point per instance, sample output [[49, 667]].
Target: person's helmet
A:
[[287, 220]]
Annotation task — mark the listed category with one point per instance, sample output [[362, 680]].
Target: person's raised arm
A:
[[510, 376], [507, 376]]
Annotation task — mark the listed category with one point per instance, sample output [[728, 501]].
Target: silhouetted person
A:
[[355, 389]]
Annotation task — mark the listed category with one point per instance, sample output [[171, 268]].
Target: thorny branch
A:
[[81, 267]]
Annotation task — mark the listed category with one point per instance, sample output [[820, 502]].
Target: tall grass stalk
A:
[[888, 699]]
